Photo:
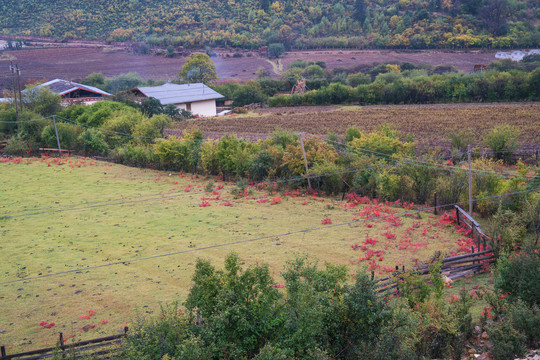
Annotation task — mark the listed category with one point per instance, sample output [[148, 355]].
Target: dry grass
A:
[[68, 216]]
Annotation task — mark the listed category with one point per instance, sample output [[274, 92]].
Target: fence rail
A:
[[452, 267], [100, 346]]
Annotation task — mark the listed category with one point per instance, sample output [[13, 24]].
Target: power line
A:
[[129, 261], [425, 164]]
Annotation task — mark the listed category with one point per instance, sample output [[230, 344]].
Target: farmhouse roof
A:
[[179, 94], [62, 87]]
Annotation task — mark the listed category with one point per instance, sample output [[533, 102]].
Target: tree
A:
[[198, 68], [495, 15], [275, 50], [151, 106], [43, 101], [360, 8]]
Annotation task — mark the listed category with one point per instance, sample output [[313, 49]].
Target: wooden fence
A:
[[452, 267], [467, 221], [107, 345]]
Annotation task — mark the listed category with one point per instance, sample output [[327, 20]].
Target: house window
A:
[[188, 106]]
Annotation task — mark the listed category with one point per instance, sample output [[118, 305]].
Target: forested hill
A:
[[294, 23]]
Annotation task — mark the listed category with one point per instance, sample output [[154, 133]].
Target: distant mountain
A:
[[300, 24]]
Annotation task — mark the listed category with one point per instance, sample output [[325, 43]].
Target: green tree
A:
[[275, 50], [198, 68], [360, 8], [151, 106], [43, 101]]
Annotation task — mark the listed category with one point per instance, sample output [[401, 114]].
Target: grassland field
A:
[[59, 215]]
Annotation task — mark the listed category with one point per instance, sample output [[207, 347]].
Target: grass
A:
[[77, 213]]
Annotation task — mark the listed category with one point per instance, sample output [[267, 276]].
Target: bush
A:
[[507, 342], [518, 276], [67, 134], [136, 155], [503, 140], [526, 319], [17, 146], [93, 142], [154, 338]]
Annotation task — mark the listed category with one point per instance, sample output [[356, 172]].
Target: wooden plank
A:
[[466, 215], [69, 346]]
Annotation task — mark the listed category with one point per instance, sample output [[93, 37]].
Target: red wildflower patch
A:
[[204, 204], [326, 221], [276, 200]]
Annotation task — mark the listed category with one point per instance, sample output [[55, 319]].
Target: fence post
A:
[[3, 351], [435, 212], [61, 339], [457, 216]]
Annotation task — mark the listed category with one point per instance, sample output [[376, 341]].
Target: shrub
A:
[[526, 319], [158, 337], [518, 276], [93, 142], [503, 140], [135, 155], [239, 308], [67, 134], [459, 140], [17, 146], [507, 342]]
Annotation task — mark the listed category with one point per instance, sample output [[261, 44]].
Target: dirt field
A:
[[77, 63], [429, 124]]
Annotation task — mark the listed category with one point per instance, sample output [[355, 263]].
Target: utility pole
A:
[[19, 83], [57, 139], [470, 180], [305, 159], [12, 69]]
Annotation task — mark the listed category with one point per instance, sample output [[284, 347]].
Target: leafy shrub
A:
[[17, 146], [93, 142], [518, 276], [526, 320], [155, 338], [67, 134], [238, 308], [135, 155], [503, 140], [508, 343]]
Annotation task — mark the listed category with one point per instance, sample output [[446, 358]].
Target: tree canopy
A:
[[198, 68]]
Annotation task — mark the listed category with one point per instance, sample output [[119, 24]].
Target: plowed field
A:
[[429, 124]]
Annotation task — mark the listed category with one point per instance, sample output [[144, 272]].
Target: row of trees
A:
[[390, 84], [293, 23]]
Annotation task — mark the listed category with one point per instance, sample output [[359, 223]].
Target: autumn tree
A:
[[198, 68]]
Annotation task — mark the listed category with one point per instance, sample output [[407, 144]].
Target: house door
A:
[[188, 106]]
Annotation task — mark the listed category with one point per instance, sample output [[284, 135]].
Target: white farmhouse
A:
[[197, 98]]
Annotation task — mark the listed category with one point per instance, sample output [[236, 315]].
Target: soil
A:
[[430, 125], [74, 63]]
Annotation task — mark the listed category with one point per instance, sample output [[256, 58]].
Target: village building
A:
[[197, 98], [71, 92]]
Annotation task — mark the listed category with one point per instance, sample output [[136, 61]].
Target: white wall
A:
[[201, 108]]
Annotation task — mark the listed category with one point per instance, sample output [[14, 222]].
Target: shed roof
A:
[[179, 94], [62, 87]]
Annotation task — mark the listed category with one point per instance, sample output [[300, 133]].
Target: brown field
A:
[[77, 63], [429, 124]]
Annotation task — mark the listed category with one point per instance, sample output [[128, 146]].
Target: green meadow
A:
[[61, 220]]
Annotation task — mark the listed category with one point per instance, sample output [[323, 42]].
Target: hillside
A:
[[294, 23]]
